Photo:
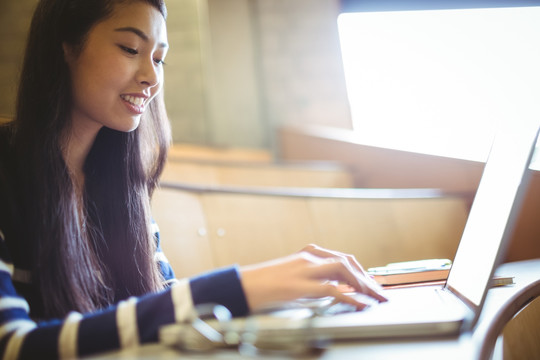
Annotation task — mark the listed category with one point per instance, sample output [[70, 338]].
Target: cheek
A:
[[109, 75], [103, 69], [95, 88], [89, 90]]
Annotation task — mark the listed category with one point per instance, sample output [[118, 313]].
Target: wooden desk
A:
[[467, 346]]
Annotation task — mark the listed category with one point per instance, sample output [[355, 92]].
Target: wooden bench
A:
[[301, 174], [214, 153], [204, 227]]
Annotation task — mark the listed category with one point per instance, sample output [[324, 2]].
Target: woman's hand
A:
[[313, 272]]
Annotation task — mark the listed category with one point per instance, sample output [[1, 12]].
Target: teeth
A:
[[137, 101]]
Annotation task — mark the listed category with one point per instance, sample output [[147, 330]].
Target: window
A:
[[439, 81]]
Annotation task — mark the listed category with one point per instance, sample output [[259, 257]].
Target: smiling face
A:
[[119, 69]]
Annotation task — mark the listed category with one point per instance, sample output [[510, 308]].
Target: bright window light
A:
[[440, 81]]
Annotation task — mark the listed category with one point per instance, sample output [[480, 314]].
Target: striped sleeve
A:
[[222, 286], [161, 259], [129, 323]]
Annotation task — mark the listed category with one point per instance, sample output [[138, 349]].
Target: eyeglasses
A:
[[211, 327]]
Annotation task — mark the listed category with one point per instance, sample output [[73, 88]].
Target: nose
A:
[[148, 74]]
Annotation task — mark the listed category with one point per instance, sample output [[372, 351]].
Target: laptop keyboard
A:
[[413, 297], [328, 306]]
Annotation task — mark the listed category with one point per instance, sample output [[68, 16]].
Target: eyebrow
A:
[[140, 34]]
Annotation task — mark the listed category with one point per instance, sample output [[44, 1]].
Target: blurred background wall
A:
[[236, 70]]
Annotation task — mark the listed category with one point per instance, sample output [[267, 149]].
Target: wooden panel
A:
[[521, 334], [189, 151], [256, 226], [295, 175], [190, 172], [381, 231], [301, 176], [378, 167], [355, 226], [205, 227], [183, 231], [247, 229], [285, 176]]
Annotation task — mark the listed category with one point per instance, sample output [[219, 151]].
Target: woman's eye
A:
[[128, 50], [159, 61]]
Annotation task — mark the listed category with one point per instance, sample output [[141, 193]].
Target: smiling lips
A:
[[134, 103]]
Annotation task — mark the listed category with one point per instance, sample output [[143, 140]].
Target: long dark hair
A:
[[83, 260]]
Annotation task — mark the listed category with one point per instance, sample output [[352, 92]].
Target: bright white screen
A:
[[439, 81]]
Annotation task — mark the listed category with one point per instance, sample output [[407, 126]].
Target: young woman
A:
[[81, 269]]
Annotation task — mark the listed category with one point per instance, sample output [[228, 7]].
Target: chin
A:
[[128, 126], [132, 128]]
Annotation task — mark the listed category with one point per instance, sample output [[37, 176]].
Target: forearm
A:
[[128, 324]]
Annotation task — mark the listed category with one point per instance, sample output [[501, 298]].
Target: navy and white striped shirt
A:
[[127, 324]]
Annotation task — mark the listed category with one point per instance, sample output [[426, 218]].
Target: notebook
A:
[[438, 310]]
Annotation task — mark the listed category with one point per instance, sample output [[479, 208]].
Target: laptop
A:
[[434, 310]]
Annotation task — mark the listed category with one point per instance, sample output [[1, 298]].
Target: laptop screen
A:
[[494, 211]]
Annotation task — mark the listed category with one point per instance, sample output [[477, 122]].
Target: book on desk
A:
[[408, 272], [430, 271]]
